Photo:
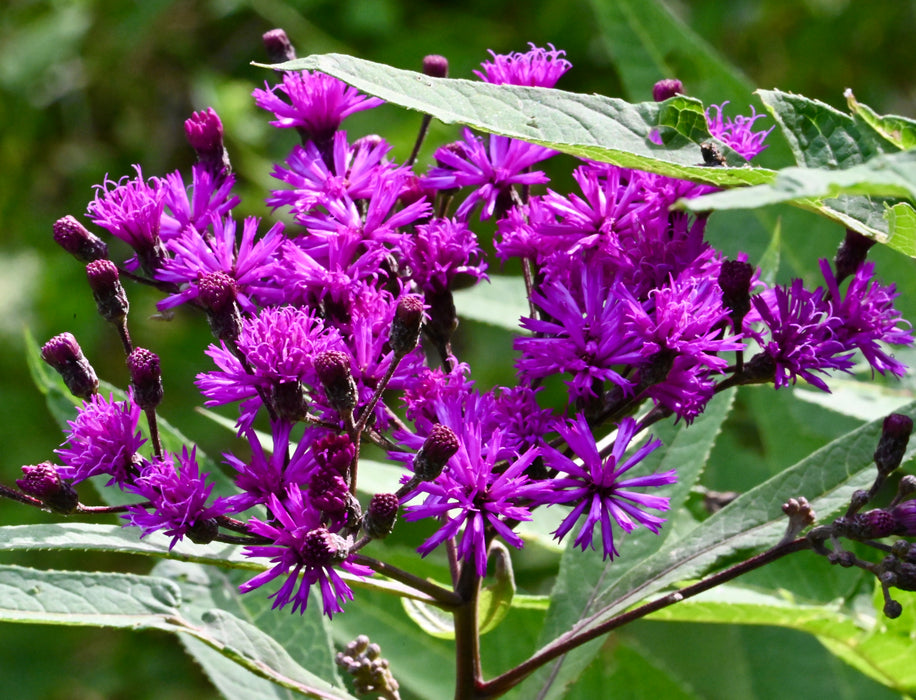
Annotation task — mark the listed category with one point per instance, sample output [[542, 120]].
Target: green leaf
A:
[[647, 43], [147, 602], [901, 228], [305, 638], [900, 131], [496, 597], [501, 302], [880, 649], [585, 575], [591, 126], [892, 175], [819, 135], [826, 478]]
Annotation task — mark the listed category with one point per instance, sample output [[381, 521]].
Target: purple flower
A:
[[736, 133], [103, 439], [279, 346], [210, 196], [439, 252], [352, 170], [131, 209], [271, 472], [536, 68], [598, 488], [799, 336], [581, 332], [251, 264], [472, 496], [492, 170], [868, 317], [317, 103], [178, 498], [302, 545]]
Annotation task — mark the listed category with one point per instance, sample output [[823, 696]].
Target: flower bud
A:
[[279, 48], [735, 282], [110, 297], [851, 253], [328, 491], [435, 66], [204, 132], [289, 401], [666, 88], [873, 524], [321, 548], [63, 353], [216, 291], [895, 434], [405, 327], [381, 516], [440, 445], [145, 378], [333, 368], [73, 237], [203, 531], [42, 481], [904, 516]]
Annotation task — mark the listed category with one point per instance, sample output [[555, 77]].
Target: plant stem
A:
[[468, 677], [569, 641]]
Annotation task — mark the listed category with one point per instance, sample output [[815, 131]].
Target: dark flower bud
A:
[[440, 445], [216, 291], [321, 548], [328, 491], [435, 66], [333, 368], [381, 516], [63, 353], [904, 516], [669, 87], [895, 435], [906, 487], [110, 297], [371, 673], [405, 327], [203, 531], [145, 378], [873, 524], [851, 253], [204, 132], [279, 48], [43, 482], [735, 282], [334, 453], [289, 401], [73, 237]]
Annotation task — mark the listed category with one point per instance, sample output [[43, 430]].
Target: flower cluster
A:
[[318, 325]]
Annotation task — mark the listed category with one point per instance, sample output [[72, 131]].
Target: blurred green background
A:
[[90, 88]]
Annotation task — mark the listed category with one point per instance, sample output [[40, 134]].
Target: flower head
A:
[[598, 488], [736, 133], [300, 544], [103, 439], [536, 67]]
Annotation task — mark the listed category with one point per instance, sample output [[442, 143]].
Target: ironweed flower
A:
[[536, 67], [103, 439], [737, 133], [598, 490], [301, 545]]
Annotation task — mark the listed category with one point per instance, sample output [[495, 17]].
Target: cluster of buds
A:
[[370, 672], [898, 567]]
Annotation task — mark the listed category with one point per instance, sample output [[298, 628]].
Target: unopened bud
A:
[[735, 282], [43, 482], [77, 240], [279, 47], [110, 297], [405, 327], [904, 516], [333, 368], [381, 516], [440, 445], [435, 66], [873, 524], [216, 291], [895, 435], [203, 531], [666, 88], [851, 254], [63, 353], [204, 132], [289, 401], [145, 378]]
